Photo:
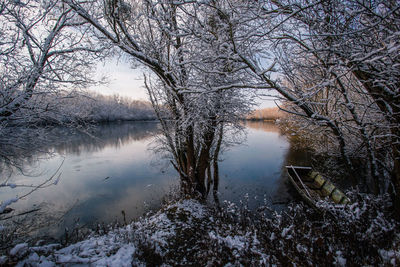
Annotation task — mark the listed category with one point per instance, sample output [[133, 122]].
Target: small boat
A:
[[312, 186]]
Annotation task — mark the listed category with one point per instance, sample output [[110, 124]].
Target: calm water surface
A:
[[114, 172]]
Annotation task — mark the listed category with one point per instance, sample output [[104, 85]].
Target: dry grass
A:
[[268, 114]]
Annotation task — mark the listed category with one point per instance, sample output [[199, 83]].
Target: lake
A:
[[110, 170]]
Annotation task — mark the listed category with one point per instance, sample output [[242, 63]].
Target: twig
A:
[[22, 213]]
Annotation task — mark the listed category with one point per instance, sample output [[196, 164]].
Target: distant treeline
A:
[[92, 107], [270, 114], [26, 129], [58, 108]]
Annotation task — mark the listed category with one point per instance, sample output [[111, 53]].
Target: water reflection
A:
[[266, 126], [19, 154], [253, 169], [105, 171], [98, 137], [109, 169]]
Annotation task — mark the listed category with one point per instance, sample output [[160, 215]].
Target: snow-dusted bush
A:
[[187, 232]]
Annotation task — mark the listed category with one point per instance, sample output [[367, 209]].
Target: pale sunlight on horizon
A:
[[124, 80]]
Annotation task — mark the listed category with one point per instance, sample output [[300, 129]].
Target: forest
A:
[[332, 66]]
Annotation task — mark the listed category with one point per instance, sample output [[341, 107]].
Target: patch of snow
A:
[[161, 236], [301, 248], [255, 239], [272, 237], [389, 256], [113, 249], [193, 207], [11, 185], [45, 249], [339, 259], [285, 231], [57, 180], [234, 242], [6, 203], [34, 257], [122, 258], [156, 230], [19, 249]]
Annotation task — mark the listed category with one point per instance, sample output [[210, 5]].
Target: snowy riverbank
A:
[[187, 232]]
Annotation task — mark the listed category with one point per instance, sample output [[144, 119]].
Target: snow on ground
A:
[[117, 248], [113, 249], [233, 242], [188, 232]]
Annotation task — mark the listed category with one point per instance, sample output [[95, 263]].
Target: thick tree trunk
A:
[[209, 179], [215, 159], [200, 185], [191, 160], [204, 161], [19, 102]]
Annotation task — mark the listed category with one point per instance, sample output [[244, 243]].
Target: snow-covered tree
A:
[[184, 44], [334, 62], [337, 64], [357, 44], [44, 47]]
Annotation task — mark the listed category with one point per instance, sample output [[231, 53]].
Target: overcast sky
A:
[[126, 81]]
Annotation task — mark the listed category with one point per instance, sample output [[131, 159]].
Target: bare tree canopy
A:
[[44, 47], [196, 78], [337, 65], [334, 63]]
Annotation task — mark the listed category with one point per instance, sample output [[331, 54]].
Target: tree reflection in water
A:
[[82, 179], [108, 169]]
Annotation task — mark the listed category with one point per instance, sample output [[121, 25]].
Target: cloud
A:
[[122, 79]]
